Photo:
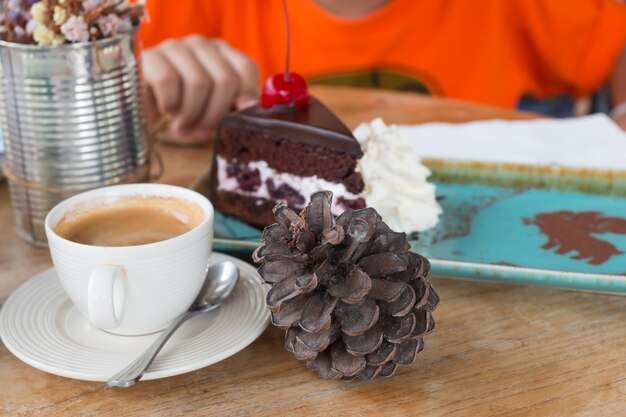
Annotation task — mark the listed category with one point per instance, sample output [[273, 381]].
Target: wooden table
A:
[[498, 350]]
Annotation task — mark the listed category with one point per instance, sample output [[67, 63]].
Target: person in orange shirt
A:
[[206, 57]]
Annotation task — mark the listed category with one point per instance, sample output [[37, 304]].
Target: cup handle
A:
[[105, 296]]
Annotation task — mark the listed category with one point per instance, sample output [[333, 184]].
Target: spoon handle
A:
[[135, 370]]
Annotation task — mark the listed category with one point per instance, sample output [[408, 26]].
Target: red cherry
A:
[[285, 89]]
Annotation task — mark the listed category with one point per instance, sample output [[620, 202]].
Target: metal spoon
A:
[[219, 283]]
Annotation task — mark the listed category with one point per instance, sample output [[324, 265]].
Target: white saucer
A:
[[41, 326]]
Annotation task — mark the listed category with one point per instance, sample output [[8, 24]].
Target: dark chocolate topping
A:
[[314, 124]]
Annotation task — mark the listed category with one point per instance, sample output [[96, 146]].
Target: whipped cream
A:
[[395, 180]]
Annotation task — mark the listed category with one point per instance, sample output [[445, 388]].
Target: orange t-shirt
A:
[[491, 51]]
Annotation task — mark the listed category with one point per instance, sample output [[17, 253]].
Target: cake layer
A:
[[258, 180], [254, 211], [283, 154]]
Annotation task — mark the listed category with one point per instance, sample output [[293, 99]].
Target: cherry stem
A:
[[287, 76]]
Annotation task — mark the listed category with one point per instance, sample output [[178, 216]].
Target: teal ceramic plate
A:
[[537, 237]]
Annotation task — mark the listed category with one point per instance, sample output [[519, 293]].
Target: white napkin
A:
[[584, 142]]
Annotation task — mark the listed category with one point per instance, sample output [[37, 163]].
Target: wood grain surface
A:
[[498, 350]]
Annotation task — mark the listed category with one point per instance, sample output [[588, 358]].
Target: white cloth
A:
[[593, 141]]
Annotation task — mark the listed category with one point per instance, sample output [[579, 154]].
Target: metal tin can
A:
[[72, 121]]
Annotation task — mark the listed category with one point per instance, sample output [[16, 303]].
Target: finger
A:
[[226, 83], [248, 72], [162, 78], [197, 85]]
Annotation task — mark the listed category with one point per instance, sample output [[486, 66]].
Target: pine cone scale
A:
[[302, 351], [287, 218], [384, 263], [352, 288], [306, 282], [386, 290], [274, 233], [385, 353], [388, 370], [281, 292], [358, 318], [402, 305], [343, 362], [365, 343], [318, 341], [424, 323], [321, 364], [318, 214], [406, 351], [289, 312], [316, 314], [399, 329], [422, 292], [370, 372], [273, 272]]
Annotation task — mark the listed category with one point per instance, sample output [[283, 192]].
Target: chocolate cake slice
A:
[[264, 156]]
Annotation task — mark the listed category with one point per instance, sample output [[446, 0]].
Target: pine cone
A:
[[353, 300]]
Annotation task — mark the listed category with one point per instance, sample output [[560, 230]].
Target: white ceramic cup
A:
[[131, 290]]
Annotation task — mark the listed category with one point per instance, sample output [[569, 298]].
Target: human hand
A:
[[195, 81]]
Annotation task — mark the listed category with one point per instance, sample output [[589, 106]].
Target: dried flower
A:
[[91, 4], [46, 37], [14, 5], [108, 24], [30, 26], [66, 21], [42, 35], [38, 11], [125, 26], [59, 16], [111, 25], [75, 29], [121, 6]]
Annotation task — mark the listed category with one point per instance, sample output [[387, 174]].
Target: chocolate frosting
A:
[[314, 125]]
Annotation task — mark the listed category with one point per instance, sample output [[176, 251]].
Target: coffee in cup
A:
[[129, 221]]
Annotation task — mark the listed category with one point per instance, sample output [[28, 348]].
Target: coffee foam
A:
[[171, 217]]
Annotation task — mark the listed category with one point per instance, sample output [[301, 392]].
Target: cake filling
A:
[[257, 179]]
